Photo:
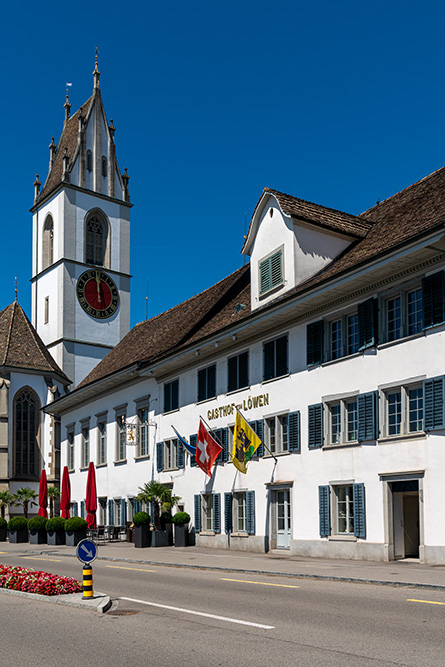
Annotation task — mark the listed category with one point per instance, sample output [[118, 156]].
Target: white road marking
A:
[[200, 613]]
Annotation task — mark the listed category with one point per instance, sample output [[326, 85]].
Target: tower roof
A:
[[21, 347]]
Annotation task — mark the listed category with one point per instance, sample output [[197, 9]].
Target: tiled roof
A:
[[203, 314], [322, 216], [419, 208], [68, 139], [21, 346]]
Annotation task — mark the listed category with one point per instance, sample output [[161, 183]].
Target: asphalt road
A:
[[193, 617]]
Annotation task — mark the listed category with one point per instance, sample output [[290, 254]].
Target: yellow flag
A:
[[245, 443]]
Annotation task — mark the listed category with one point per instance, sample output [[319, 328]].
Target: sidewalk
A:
[[396, 573]]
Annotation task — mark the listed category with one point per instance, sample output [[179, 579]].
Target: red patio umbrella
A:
[[65, 500], [91, 497], [43, 495]]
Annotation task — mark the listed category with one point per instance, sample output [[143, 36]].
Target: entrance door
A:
[[405, 497], [283, 519]]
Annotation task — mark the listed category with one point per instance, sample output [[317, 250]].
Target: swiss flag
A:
[[207, 449]]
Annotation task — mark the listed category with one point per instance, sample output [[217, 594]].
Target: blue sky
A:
[[337, 103]]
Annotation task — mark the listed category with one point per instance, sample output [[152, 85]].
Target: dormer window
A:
[[271, 271], [89, 161]]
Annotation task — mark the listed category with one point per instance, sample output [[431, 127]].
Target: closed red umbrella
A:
[[43, 495], [91, 497], [65, 500]]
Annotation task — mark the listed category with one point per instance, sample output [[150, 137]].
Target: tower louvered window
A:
[[271, 272], [95, 242], [26, 412]]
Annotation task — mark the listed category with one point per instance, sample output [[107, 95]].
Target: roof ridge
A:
[[396, 194], [9, 336], [308, 201]]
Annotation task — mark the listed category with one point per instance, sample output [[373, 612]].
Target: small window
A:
[[277, 434], [271, 272], [403, 314], [171, 395], [102, 444], [101, 511], [143, 431], [343, 421], [207, 383], [275, 358], [240, 512], [403, 410], [170, 454], [48, 242], [344, 510], [46, 311], [104, 166], [89, 161], [238, 371], [85, 435], [121, 448], [70, 449], [207, 511]]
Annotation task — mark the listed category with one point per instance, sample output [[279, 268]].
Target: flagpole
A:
[[262, 441]]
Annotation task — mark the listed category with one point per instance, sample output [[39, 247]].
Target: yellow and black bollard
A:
[[87, 581]]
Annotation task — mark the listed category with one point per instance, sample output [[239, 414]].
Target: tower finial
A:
[[67, 104], [15, 289], [96, 72], [37, 185]]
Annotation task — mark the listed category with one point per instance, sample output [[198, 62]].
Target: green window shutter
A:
[[202, 384], [315, 426], [250, 511], [367, 323], [152, 513], [358, 494], [367, 409], [324, 510], [159, 456], [193, 440], [224, 442], [314, 343], [82, 509], [243, 369], [123, 512], [228, 512], [434, 403], [110, 513], [217, 433], [180, 456], [232, 374], [294, 431], [269, 360], [433, 298], [259, 430], [167, 397], [75, 509], [217, 512], [282, 366], [276, 269], [197, 513], [265, 276]]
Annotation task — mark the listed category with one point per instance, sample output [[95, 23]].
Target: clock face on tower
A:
[[97, 294]]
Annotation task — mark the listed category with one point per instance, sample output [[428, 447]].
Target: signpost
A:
[[86, 552]]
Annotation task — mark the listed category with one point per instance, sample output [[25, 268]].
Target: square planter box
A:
[[3, 534], [37, 536], [142, 536], [55, 537], [181, 535], [73, 537], [159, 538], [16, 536]]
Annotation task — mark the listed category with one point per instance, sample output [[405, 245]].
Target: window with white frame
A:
[[170, 454], [240, 512], [276, 434], [403, 410], [117, 514], [101, 511], [70, 449], [207, 511], [102, 442], [342, 336], [143, 431], [344, 509], [85, 436], [342, 418], [121, 435], [403, 314]]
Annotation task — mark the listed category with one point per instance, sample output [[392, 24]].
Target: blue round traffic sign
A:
[[86, 551]]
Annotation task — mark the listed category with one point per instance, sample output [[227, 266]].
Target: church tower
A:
[[81, 242]]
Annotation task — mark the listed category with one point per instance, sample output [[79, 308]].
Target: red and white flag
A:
[[207, 449]]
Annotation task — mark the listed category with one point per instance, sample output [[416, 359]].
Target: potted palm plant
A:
[[53, 495], [25, 497], [18, 529], [162, 500], [37, 530], [75, 530], [142, 534], [6, 500], [181, 523], [55, 531], [3, 529]]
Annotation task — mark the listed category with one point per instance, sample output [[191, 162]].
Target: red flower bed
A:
[[31, 581]]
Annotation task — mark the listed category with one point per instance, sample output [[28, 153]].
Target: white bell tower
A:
[[81, 242]]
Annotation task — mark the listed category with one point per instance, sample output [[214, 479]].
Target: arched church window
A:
[[48, 242], [26, 432], [96, 237], [104, 166], [89, 161]]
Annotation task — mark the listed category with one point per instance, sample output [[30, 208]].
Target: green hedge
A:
[[76, 523], [37, 523], [141, 519], [180, 518], [56, 523], [18, 523]]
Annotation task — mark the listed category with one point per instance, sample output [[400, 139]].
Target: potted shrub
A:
[[3, 529], [55, 531], [75, 531], [160, 495], [181, 524], [142, 534], [37, 530], [18, 529]]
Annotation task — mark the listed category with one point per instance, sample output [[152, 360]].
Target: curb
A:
[[99, 603], [295, 575]]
